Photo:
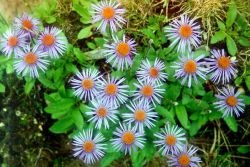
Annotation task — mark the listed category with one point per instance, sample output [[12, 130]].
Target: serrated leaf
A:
[[182, 116], [231, 46], [85, 32], [231, 123], [218, 36], [231, 15]]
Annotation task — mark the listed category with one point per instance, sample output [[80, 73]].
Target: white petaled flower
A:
[[229, 102], [108, 13], [53, 41], [221, 67], [185, 158], [141, 115], [86, 84], [102, 113], [12, 42], [31, 60], [26, 24], [154, 73], [88, 147], [185, 33], [170, 139], [127, 139], [189, 68], [120, 52], [113, 91], [148, 92]]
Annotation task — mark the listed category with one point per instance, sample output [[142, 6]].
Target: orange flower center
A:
[[123, 49], [190, 67], [27, 24], [108, 13], [87, 84], [128, 137], [147, 90], [140, 115], [12, 41], [153, 72], [30, 58], [231, 101], [102, 112], [48, 40], [224, 62], [184, 160], [185, 31], [170, 140], [111, 89], [88, 146]]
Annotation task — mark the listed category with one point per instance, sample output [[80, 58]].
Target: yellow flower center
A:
[[111, 89], [224, 62], [88, 146], [87, 84], [153, 72], [108, 13], [102, 112], [185, 31], [140, 115], [48, 40], [123, 49], [128, 137], [12, 41], [231, 101], [170, 140], [184, 160], [147, 90], [27, 24], [190, 67], [30, 58]]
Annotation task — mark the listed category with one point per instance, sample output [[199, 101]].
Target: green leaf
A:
[[218, 36], [221, 25], [244, 41], [243, 149], [182, 116], [165, 113], [2, 88], [109, 158], [173, 91], [231, 123], [62, 126], [29, 85], [77, 118], [231, 46], [85, 32], [63, 104], [194, 128], [50, 19], [231, 15], [247, 81]]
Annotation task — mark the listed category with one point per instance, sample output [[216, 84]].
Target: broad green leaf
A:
[[243, 149], [182, 116], [218, 36], [109, 158], [63, 104], [231, 46], [231, 123], [50, 19], [231, 15], [29, 85], [247, 81], [221, 25], [77, 118], [165, 113], [194, 128], [2, 88], [244, 41], [173, 91], [62, 126], [85, 32], [214, 115]]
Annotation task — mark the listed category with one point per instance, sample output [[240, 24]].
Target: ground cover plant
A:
[[126, 83]]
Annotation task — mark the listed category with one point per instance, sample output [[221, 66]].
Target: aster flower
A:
[[141, 115], [153, 73], [184, 32], [12, 42], [102, 113], [221, 67], [108, 13], [185, 158], [148, 92], [86, 84], [88, 147], [120, 52], [53, 41], [189, 68], [26, 24], [229, 102], [113, 91], [171, 139], [127, 139], [31, 60]]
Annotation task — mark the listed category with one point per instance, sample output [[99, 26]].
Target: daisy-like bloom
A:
[[26, 24], [142, 115], [86, 84], [170, 140], [189, 68], [31, 60], [229, 102], [221, 66], [148, 92], [108, 13], [88, 147], [120, 52], [186, 32], [127, 139], [53, 41], [185, 157], [102, 113], [12, 42], [113, 91], [154, 72]]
